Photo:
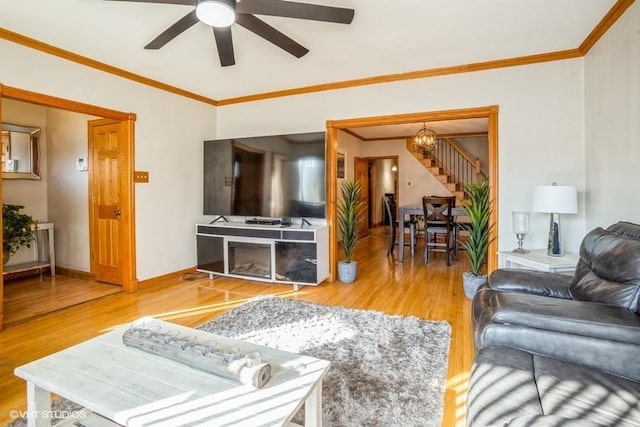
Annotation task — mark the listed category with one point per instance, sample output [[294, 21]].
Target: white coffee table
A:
[[136, 388]]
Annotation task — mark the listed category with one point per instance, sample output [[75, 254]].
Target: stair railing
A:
[[457, 164]]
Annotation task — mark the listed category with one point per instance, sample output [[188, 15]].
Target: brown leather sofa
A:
[[554, 349]]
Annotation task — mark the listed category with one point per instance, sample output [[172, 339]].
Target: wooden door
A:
[[105, 200], [361, 173]]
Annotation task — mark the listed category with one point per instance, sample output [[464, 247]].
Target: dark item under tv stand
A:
[[303, 222]]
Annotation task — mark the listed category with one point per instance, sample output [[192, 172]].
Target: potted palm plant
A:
[[476, 245], [347, 219], [17, 230]]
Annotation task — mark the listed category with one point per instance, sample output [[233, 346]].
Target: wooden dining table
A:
[[416, 210]]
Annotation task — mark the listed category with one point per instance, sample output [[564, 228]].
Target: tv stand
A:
[[296, 255]]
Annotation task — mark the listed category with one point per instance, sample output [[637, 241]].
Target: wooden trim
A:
[[492, 256], [92, 63], [63, 104], [333, 126], [1, 266], [76, 274], [128, 194], [420, 74], [468, 113], [332, 196], [605, 23], [159, 280]]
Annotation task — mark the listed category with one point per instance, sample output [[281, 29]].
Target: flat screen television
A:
[[280, 176]]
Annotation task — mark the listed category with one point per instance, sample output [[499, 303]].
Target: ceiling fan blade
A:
[[181, 2], [291, 9], [269, 33], [224, 43], [186, 22]]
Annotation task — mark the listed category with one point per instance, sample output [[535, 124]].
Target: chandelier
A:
[[425, 140]]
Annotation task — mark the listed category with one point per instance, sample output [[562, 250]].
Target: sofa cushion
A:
[[609, 270], [514, 387], [574, 391]]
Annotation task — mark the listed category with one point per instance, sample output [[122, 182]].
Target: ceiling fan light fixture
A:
[[216, 13]]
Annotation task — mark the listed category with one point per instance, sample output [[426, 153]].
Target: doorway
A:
[[125, 239], [489, 113]]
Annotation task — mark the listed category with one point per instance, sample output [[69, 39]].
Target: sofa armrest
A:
[[531, 282], [596, 335]]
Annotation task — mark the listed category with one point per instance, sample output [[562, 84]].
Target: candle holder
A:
[[521, 228]]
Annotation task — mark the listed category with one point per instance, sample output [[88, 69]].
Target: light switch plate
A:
[[81, 164]]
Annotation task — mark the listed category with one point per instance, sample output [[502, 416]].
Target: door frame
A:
[[333, 126], [129, 281]]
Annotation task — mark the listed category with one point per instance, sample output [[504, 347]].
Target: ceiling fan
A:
[[221, 14]]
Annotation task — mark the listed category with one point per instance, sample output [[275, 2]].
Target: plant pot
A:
[[347, 271], [471, 283]]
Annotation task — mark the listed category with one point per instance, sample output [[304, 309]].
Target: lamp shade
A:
[[562, 199], [217, 13]]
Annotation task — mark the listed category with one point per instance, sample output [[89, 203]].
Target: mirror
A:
[[20, 152]]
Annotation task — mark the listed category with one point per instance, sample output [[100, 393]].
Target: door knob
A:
[[117, 212]]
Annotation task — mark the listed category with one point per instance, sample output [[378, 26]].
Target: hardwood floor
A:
[[32, 296], [429, 292]]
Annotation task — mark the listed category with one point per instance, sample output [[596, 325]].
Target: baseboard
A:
[[75, 274], [155, 281]]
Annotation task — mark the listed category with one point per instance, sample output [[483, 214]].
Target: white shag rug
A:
[[385, 370]]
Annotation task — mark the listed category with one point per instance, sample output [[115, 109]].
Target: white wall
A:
[[169, 135], [612, 88], [68, 195], [541, 127]]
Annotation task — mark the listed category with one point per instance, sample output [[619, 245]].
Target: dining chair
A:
[[439, 222], [394, 224]]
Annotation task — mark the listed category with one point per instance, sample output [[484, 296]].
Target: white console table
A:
[[537, 259], [290, 254], [38, 264]]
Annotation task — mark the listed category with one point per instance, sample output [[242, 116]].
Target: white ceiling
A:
[[385, 37]]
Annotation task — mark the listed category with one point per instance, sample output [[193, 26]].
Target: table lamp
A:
[[555, 200]]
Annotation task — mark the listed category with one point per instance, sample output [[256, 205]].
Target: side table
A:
[[537, 259], [38, 264]]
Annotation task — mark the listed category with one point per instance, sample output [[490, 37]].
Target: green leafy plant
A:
[[348, 207], [17, 228], [478, 210]]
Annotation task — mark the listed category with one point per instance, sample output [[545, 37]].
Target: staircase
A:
[[451, 166]]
